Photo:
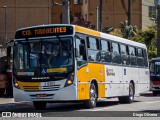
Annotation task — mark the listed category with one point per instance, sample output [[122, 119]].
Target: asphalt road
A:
[[145, 105]]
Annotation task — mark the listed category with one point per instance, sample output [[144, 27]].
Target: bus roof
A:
[[89, 32], [155, 59], [108, 36], [122, 40]]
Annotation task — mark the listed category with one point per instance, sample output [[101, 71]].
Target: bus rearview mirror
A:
[[82, 49]]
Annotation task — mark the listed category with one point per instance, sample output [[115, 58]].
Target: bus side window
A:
[[93, 49], [105, 53], [116, 58], [132, 53], [124, 55], [145, 57], [140, 59]]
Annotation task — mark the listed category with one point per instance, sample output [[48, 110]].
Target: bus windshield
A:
[[155, 68], [43, 56]]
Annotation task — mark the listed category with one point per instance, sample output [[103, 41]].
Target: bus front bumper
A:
[[65, 94]]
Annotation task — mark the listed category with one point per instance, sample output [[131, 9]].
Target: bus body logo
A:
[[124, 71]]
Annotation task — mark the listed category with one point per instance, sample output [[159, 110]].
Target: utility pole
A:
[[65, 12], [5, 23], [97, 18], [100, 13], [129, 12], [158, 31], [157, 3]]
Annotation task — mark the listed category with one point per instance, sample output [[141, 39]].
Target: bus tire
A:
[[39, 105], [91, 103], [154, 93], [130, 97]]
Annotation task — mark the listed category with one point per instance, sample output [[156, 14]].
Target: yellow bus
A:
[[66, 63]]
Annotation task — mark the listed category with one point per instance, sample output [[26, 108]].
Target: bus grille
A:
[[41, 88]]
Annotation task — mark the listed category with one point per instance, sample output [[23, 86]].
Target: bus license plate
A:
[[52, 83]]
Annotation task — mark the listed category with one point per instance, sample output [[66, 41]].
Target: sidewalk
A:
[[8, 104]]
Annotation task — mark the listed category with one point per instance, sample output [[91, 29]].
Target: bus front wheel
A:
[[91, 103], [39, 105]]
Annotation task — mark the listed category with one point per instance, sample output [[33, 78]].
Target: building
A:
[[22, 13], [114, 11], [17, 14], [148, 13]]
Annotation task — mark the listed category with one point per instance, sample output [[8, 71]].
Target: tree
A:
[[82, 22], [124, 30], [128, 31], [148, 37]]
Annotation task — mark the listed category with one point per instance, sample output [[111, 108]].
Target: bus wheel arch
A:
[[130, 97], [132, 82]]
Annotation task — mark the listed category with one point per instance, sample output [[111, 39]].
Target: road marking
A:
[[102, 109], [152, 102]]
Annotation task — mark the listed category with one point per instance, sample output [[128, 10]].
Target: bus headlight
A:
[[69, 80], [15, 83]]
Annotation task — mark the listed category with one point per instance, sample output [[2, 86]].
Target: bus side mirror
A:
[[82, 50], [76, 52]]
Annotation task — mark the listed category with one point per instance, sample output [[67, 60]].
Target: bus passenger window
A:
[[125, 55], [93, 52], [92, 43], [105, 53], [116, 58], [145, 58], [140, 59], [132, 53]]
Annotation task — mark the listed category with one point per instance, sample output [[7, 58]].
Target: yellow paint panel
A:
[[87, 74], [87, 31], [29, 85], [83, 90], [56, 70]]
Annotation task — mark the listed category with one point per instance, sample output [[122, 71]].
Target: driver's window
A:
[[81, 59]]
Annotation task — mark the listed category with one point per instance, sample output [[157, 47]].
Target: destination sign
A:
[[44, 31]]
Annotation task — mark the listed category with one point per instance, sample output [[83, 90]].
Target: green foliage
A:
[[152, 54], [148, 37], [128, 31], [108, 29], [124, 30]]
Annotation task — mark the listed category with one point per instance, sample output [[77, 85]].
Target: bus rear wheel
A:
[[130, 97], [91, 103], [39, 105]]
